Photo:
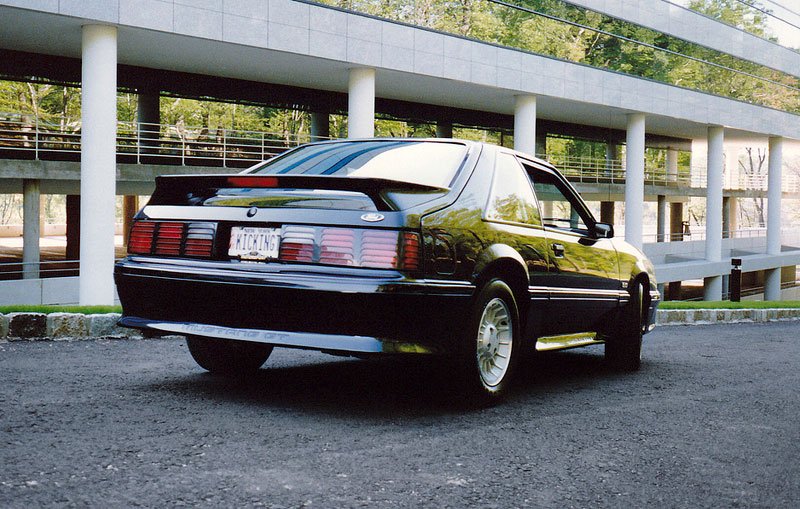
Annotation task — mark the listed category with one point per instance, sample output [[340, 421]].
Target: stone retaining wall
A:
[[62, 326]]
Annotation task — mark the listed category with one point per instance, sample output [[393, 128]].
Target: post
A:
[[672, 165], [525, 124], [148, 118], [320, 126], [98, 164], [73, 251], [612, 155], [361, 103], [607, 212], [31, 228], [444, 129], [772, 277], [736, 280], [661, 218], [712, 286], [130, 206], [634, 179]]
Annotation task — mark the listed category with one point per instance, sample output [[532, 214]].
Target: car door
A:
[[582, 278], [514, 220]]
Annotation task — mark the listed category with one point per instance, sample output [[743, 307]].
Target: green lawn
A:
[[726, 304], [86, 310]]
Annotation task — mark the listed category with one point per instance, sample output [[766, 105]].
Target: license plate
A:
[[249, 243]]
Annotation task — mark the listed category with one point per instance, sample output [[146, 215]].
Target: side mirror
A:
[[603, 230]]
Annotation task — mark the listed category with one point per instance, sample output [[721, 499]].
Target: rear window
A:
[[419, 162]]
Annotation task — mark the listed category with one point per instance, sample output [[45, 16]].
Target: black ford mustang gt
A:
[[448, 247]]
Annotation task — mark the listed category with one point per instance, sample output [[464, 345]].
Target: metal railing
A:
[[30, 137]]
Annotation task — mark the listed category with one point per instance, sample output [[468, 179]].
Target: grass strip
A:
[[84, 310], [726, 304]]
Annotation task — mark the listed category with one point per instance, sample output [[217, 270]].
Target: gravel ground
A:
[[711, 420]]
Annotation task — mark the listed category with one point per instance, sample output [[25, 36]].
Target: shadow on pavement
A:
[[382, 387]]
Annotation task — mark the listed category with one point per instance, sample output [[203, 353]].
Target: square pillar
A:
[[672, 165], [31, 228], [73, 251], [320, 125], [98, 164], [525, 124], [444, 129], [607, 212], [361, 103], [634, 179], [675, 221]]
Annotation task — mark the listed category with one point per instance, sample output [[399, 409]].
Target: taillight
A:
[[168, 238], [140, 240], [297, 244], [355, 247], [172, 238], [199, 240]]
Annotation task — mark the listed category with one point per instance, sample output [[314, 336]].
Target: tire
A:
[[227, 357], [624, 352], [489, 345]]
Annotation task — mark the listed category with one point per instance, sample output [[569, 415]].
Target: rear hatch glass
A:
[[419, 162]]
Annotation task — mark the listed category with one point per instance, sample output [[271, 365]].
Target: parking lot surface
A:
[[711, 420]]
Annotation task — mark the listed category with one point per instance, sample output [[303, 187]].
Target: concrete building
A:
[[328, 59]]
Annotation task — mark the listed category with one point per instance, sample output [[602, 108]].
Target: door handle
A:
[[558, 250]]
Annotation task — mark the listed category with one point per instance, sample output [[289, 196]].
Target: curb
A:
[[74, 326]]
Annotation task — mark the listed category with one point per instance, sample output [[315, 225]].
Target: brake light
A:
[[297, 244], [168, 238], [249, 181], [140, 240], [354, 247]]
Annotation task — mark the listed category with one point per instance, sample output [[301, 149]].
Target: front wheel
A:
[[490, 343], [624, 351], [227, 357]]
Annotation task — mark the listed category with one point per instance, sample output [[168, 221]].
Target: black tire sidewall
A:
[[227, 357]]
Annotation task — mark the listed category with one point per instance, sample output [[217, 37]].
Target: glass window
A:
[[511, 199], [559, 208], [427, 163]]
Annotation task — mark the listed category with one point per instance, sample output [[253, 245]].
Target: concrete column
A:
[[148, 111], [672, 165], [320, 125], [712, 288], [361, 103], [772, 279], [733, 213], [661, 218], [31, 228], [525, 123], [73, 251], [607, 212], [634, 179], [675, 221], [444, 129], [98, 164], [130, 206]]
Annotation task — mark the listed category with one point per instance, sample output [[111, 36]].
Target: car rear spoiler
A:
[[195, 189]]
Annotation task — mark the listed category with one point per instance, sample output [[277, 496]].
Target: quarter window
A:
[[512, 199]]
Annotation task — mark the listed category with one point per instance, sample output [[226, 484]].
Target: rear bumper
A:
[[332, 309]]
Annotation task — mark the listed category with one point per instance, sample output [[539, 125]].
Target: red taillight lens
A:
[[168, 238], [140, 240], [412, 251], [297, 244]]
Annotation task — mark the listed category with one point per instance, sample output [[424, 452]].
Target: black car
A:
[[385, 246]]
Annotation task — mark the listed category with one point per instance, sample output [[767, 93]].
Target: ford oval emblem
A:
[[252, 211], [372, 217]]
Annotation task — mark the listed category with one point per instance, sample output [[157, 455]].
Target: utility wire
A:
[[645, 44]]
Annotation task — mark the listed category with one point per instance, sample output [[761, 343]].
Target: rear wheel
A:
[[227, 357], [624, 352], [489, 346]]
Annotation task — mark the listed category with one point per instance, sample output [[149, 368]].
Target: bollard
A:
[[736, 280]]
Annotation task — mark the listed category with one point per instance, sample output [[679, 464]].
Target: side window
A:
[[511, 199], [559, 208]]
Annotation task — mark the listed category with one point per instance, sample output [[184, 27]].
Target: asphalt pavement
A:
[[711, 420]]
